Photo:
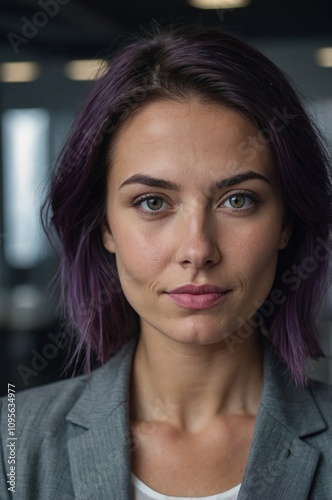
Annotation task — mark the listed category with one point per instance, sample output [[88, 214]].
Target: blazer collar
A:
[[100, 446], [107, 388], [280, 462], [293, 407]]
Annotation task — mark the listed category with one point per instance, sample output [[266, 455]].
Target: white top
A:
[[144, 492]]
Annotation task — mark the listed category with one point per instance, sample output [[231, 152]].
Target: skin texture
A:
[[196, 237], [185, 381]]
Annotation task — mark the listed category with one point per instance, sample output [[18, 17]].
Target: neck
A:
[[189, 385]]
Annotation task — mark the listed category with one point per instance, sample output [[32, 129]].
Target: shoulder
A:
[[303, 410], [49, 418], [37, 435], [46, 405]]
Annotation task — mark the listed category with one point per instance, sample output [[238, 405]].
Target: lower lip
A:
[[201, 301]]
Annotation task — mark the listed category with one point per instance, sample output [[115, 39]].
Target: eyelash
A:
[[137, 202]]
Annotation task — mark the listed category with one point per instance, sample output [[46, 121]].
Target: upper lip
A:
[[198, 289]]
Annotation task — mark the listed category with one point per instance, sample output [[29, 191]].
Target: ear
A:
[[285, 234], [107, 236]]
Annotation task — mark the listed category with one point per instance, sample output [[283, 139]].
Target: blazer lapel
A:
[[281, 464], [99, 446], [100, 460]]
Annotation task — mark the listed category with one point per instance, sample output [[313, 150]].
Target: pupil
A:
[[237, 201], [154, 203]]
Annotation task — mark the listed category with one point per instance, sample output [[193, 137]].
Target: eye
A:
[[241, 201], [237, 201], [151, 204]]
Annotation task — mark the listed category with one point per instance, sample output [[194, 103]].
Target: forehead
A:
[[190, 138]]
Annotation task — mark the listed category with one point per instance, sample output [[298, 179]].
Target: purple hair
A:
[[181, 63]]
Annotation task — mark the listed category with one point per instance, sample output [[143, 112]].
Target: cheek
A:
[[255, 259], [139, 257]]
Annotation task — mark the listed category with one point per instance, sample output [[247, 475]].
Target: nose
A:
[[198, 241]]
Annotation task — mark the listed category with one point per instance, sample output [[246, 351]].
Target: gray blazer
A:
[[73, 438]]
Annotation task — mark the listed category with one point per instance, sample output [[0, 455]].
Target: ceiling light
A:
[[85, 69], [218, 4], [19, 72], [324, 57]]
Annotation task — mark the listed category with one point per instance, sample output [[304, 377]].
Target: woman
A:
[[193, 204]]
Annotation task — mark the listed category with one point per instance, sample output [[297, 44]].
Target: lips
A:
[[198, 289], [197, 297]]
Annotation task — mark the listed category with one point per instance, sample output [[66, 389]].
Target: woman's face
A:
[[196, 224]]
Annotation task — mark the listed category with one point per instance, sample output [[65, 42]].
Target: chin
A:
[[199, 336]]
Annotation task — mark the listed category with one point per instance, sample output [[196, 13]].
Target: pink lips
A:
[[197, 297]]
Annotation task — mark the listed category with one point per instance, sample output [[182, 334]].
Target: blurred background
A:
[[49, 52]]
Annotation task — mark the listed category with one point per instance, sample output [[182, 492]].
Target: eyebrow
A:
[[236, 179], [147, 180]]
